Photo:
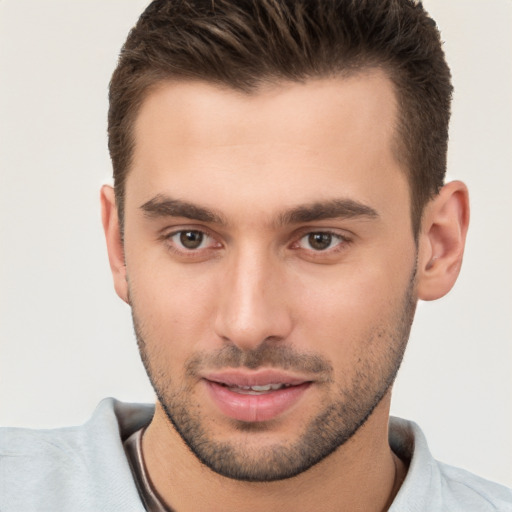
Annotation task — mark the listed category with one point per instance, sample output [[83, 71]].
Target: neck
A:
[[363, 474]]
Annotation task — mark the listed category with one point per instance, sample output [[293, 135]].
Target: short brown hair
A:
[[244, 43]]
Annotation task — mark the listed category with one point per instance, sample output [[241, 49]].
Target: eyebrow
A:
[[164, 206], [332, 209]]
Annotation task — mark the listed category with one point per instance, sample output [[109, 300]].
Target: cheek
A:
[[347, 310], [174, 307]]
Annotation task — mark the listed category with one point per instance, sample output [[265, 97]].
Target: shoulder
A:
[[433, 485], [73, 468], [467, 489]]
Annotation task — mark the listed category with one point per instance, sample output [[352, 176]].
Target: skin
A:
[[257, 282]]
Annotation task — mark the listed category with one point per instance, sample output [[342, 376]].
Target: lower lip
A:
[[255, 408]]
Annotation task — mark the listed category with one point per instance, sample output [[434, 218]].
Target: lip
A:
[[255, 408], [236, 377]]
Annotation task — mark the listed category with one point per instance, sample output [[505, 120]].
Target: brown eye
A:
[[319, 241], [191, 239]]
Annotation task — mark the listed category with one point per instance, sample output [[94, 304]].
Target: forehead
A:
[[201, 107], [288, 141]]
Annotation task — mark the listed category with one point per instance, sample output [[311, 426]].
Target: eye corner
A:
[[321, 240], [333, 245], [190, 243]]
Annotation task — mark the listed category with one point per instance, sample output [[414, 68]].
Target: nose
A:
[[253, 306]]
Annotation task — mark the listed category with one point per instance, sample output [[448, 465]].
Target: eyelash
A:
[[185, 252], [342, 241], [173, 246]]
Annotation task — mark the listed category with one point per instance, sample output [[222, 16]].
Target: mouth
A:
[[255, 390], [255, 397]]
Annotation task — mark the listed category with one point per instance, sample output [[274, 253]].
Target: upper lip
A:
[[242, 377]]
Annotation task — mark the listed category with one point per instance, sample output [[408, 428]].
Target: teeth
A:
[[257, 389], [267, 387]]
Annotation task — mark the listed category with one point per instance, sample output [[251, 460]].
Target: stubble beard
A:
[[325, 433]]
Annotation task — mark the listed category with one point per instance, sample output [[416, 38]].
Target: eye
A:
[[191, 245], [320, 241], [191, 239]]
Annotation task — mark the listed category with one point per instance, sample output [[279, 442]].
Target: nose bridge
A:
[[252, 307]]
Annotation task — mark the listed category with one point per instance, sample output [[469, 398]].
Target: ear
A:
[[115, 247], [441, 241]]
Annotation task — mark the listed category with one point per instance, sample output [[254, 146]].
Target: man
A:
[[279, 208]]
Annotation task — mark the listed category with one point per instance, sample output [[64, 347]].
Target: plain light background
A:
[[66, 339]]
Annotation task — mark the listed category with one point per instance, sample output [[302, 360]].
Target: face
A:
[[270, 266]]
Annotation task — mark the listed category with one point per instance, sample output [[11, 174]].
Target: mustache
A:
[[268, 354]]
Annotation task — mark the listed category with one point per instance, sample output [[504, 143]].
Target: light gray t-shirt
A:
[[85, 469]]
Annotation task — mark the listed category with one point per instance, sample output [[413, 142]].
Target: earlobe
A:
[[114, 241], [442, 240]]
